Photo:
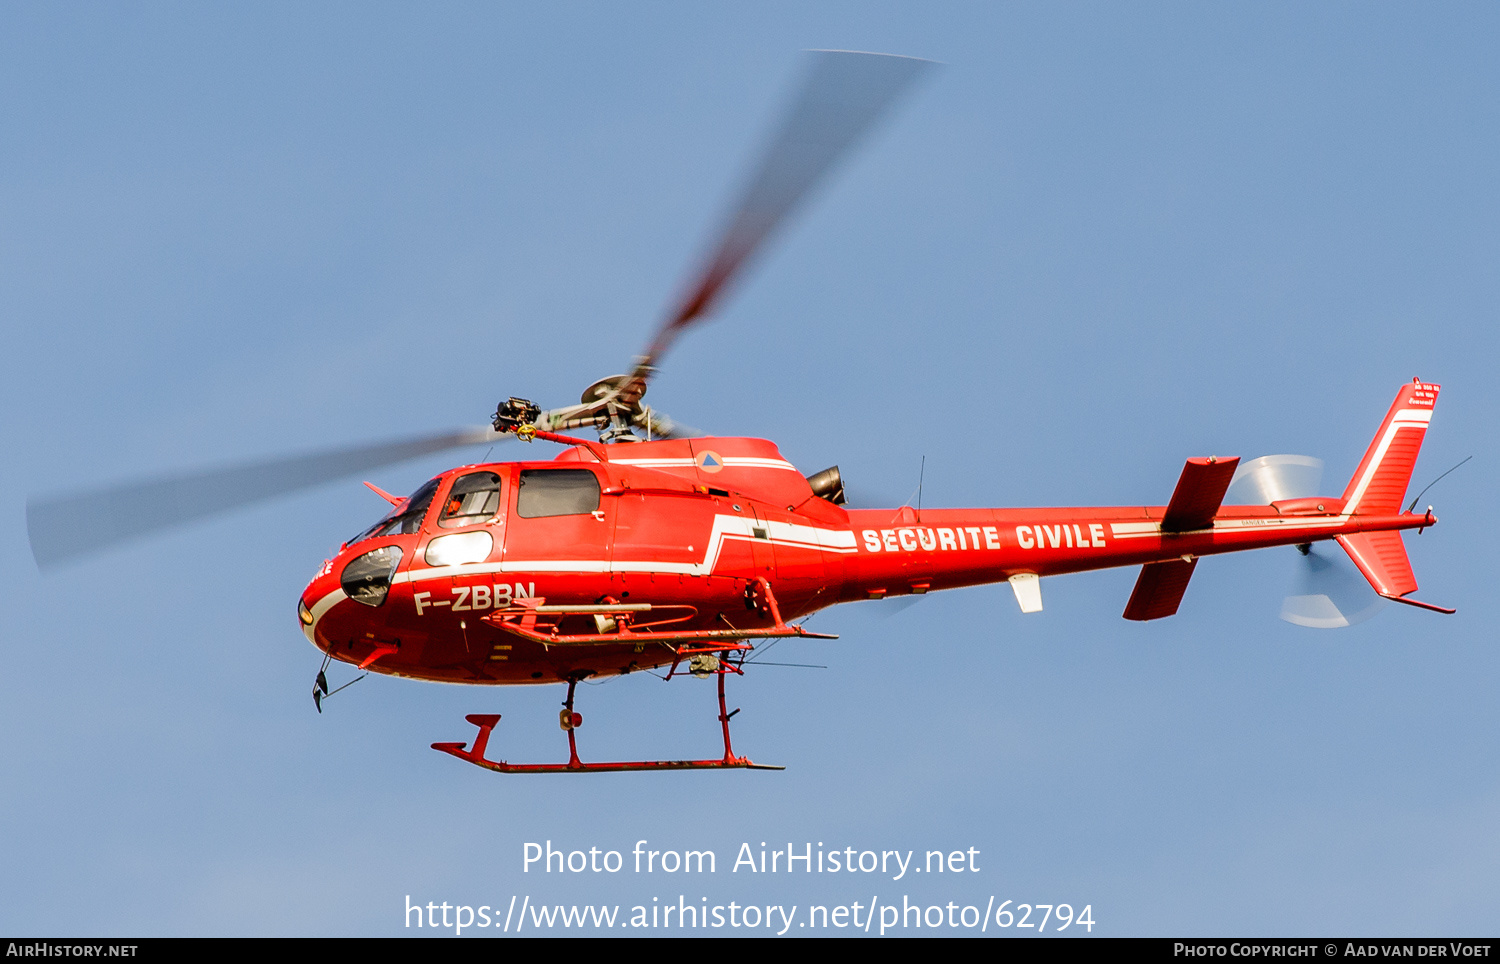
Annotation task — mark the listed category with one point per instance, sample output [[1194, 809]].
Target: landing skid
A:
[[570, 721]]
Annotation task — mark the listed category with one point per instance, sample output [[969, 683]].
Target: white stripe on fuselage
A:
[[319, 608], [729, 462], [726, 528], [1140, 530]]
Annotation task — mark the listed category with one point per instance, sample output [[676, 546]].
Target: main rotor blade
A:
[[659, 425], [844, 94], [1272, 478], [77, 525]]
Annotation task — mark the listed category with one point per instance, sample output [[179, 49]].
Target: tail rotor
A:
[[1328, 592]]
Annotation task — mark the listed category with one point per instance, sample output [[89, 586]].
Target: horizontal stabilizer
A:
[[1199, 493], [1159, 588]]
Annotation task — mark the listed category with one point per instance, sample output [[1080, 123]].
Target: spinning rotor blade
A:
[[1272, 478], [1329, 592], [661, 426], [844, 94], [77, 525]]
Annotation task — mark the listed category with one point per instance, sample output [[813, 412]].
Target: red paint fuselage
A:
[[686, 526]]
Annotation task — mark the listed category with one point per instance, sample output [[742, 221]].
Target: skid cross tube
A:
[[571, 721], [534, 620]]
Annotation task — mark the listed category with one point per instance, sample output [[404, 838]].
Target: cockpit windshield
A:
[[405, 518]]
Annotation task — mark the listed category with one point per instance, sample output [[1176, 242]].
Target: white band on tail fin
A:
[[1379, 484]]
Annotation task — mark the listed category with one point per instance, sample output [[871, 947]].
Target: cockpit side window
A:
[[405, 518], [474, 498], [551, 492]]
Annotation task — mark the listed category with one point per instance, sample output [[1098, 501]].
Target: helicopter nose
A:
[[309, 603], [306, 620], [323, 582]]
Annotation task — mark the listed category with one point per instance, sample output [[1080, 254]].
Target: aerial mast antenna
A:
[[921, 474]]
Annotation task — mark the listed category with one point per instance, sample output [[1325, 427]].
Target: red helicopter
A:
[[657, 547]]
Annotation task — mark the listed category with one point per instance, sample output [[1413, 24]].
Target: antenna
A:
[[1430, 485], [920, 476]]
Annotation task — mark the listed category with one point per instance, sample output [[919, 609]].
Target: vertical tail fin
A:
[[1379, 484], [1378, 487]]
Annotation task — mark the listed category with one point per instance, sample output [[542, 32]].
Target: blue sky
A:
[[1099, 240]]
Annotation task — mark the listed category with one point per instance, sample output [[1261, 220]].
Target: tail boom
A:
[[899, 551]]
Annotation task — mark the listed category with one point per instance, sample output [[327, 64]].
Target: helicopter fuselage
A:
[[677, 534]]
